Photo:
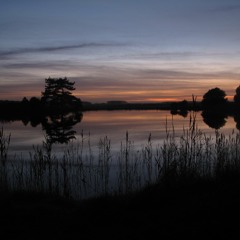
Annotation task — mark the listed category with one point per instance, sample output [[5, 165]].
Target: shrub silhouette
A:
[[237, 95], [214, 97]]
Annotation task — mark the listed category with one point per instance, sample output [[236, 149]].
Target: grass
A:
[[186, 187]]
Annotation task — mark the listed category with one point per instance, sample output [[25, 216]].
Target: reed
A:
[[79, 173], [4, 145]]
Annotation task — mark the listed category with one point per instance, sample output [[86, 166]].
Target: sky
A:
[[131, 50]]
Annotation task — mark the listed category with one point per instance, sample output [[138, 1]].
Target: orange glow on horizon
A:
[[130, 96]]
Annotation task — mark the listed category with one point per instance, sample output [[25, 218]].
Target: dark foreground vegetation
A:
[[181, 208]]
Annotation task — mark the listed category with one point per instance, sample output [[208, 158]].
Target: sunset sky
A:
[[133, 50]]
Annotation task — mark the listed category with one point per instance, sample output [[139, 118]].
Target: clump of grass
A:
[[183, 156], [4, 145]]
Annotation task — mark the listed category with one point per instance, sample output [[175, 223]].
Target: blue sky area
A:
[[133, 50]]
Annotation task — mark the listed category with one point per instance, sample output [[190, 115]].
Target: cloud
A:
[[57, 48], [227, 8], [115, 72], [166, 74], [169, 55], [39, 65]]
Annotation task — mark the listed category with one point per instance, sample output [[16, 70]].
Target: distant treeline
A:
[[122, 105], [34, 106], [57, 97], [18, 110]]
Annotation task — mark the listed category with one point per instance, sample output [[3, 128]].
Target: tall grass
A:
[[4, 144], [79, 173]]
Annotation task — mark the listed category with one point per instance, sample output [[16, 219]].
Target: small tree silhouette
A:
[[214, 97], [58, 95]]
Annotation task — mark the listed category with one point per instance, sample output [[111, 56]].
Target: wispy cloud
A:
[[57, 48], [166, 74], [118, 71], [227, 8], [177, 54], [39, 65]]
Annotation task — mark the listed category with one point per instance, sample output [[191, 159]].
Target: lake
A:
[[95, 125], [108, 153]]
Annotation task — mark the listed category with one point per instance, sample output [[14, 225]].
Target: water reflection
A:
[[181, 112], [34, 120], [214, 119], [237, 120], [58, 127], [113, 124]]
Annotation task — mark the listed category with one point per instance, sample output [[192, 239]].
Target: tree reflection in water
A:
[[58, 127], [237, 120], [214, 119]]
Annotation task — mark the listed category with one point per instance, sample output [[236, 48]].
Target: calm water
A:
[[97, 171], [95, 125]]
